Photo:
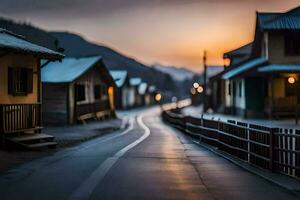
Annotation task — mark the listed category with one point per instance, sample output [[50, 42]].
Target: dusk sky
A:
[[170, 32]]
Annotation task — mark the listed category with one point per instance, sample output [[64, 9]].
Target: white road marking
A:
[[131, 120], [86, 189]]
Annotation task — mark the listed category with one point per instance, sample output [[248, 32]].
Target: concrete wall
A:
[[14, 60]]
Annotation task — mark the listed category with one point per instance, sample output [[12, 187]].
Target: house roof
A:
[[280, 21], [244, 67], [143, 88], [68, 70], [10, 41], [241, 51], [119, 77], [280, 68], [135, 81], [152, 88]]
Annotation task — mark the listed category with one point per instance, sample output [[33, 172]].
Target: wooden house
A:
[[20, 88], [152, 91], [135, 83], [76, 90], [143, 94], [265, 83], [124, 93]]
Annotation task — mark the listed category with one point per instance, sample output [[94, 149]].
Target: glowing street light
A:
[[291, 80], [196, 85], [200, 89], [193, 91], [158, 97]]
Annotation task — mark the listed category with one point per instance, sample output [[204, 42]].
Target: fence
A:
[[274, 149], [19, 117]]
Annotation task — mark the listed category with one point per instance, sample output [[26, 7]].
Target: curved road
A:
[[146, 161]]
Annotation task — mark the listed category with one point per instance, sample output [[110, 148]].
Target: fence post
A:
[[272, 151], [218, 133], [2, 126]]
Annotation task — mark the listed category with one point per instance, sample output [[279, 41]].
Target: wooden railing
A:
[[19, 117], [274, 149], [89, 108]]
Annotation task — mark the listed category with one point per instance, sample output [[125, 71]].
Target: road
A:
[[148, 160]]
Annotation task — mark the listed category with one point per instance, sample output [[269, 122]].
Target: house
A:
[[150, 97], [124, 93], [265, 83], [221, 99], [20, 88], [135, 83], [76, 90], [143, 94]]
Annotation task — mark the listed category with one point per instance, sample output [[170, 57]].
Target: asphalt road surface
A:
[[148, 160]]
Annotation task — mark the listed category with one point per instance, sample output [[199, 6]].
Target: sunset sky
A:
[[170, 32]]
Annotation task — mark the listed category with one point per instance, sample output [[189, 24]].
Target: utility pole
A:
[[204, 81]]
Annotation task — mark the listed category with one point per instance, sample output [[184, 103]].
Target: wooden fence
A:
[[274, 149], [19, 117]]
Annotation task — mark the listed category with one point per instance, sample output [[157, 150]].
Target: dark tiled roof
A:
[[280, 21], [239, 52]]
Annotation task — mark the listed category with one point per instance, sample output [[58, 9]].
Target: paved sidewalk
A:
[[69, 135], [197, 111]]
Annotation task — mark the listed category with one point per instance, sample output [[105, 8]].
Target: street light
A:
[[200, 89], [196, 85], [158, 97], [292, 80], [193, 91]]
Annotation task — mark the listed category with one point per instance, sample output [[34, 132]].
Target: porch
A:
[[20, 125], [18, 118], [97, 110]]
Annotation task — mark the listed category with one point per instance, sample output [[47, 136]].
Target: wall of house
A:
[[278, 88], [276, 50], [228, 102], [131, 96], [90, 79], [55, 104], [239, 99], [16, 60]]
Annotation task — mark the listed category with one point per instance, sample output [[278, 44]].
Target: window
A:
[[229, 89], [292, 44], [97, 91], [80, 92], [20, 81], [104, 91]]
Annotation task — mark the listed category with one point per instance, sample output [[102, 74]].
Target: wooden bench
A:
[[101, 115]]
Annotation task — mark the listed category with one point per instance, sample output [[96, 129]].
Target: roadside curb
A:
[[292, 185]]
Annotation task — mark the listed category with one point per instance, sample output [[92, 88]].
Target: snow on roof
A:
[[68, 70], [135, 81], [152, 88], [244, 67], [119, 77], [143, 88], [280, 68], [9, 40]]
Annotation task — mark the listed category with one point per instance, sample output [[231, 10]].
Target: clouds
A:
[[17, 6], [172, 32]]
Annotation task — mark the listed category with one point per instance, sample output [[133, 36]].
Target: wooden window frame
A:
[[20, 81]]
